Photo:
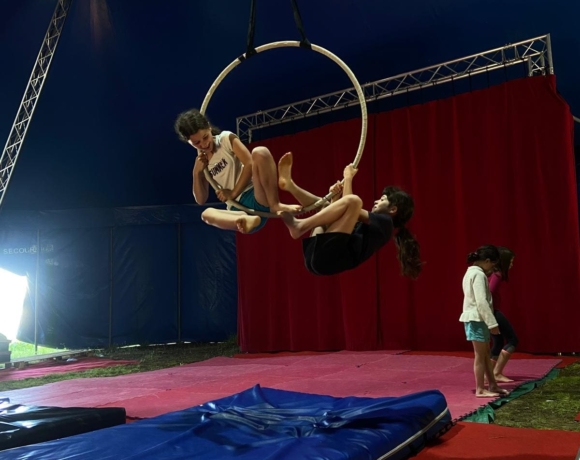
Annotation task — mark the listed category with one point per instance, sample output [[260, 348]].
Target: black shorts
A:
[[330, 253]]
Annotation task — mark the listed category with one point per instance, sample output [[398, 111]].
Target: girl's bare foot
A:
[[486, 394], [292, 223], [286, 183], [500, 391], [291, 208], [502, 378], [247, 223], [285, 172]]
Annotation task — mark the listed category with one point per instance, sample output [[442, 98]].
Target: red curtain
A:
[[488, 167]]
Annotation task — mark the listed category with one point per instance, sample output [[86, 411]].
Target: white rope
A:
[[343, 66]]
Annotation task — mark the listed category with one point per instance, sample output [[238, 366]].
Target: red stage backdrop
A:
[[489, 167]]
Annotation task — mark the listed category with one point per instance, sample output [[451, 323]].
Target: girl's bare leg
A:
[[480, 366], [339, 217], [230, 220], [264, 177], [286, 183], [493, 386], [502, 360]]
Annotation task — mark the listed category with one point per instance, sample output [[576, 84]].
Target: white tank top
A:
[[225, 168]]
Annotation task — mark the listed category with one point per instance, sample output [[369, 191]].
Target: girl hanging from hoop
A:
[[249, 178], [344, 235]]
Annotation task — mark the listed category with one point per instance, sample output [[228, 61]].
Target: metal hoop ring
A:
[[342, 65]]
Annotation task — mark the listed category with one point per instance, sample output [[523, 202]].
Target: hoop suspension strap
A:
[[304, 43], [250, 49]]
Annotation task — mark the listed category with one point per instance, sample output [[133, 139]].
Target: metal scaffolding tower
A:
[[535, 53], [31, 95]]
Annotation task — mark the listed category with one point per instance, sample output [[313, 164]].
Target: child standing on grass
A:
[[478, 318]]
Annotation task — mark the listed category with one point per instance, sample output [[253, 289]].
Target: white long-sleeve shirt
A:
[[477, 302]]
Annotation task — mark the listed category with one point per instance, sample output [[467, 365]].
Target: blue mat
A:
[[23, 425], [263, 423]]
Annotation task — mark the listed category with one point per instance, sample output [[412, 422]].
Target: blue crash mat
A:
[[24, 425], [263, 423]]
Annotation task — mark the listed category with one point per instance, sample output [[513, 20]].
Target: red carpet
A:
[[310, 353], [480, 441], [282, 353], [372, 374], [58, 367], [566, 360]]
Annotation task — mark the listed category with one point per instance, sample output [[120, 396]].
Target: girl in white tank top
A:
[[249, 178]]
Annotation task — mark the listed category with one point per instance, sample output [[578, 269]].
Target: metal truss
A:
[[31, 95], [535, 53]]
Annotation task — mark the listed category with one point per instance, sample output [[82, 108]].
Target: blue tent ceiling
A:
[[102, 132]]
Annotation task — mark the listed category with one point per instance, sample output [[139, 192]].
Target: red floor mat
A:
[[340, 374], [282, 353], [565, 360], [310, 353], [58, 367], [480, 441]]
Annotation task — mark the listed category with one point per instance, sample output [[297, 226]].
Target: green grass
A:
[[149, 358], [24, 350], [552, 406]]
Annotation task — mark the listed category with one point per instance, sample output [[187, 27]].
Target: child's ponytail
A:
[[483, 253]]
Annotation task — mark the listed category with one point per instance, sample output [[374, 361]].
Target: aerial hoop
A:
[[342, 65]]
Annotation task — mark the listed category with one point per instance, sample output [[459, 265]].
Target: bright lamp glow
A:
[[12, 294]]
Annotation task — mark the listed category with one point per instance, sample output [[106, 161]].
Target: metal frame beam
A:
[[31, 94], [536, 53]]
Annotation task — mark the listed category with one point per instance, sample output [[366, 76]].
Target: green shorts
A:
[[477, 331], [249, 201]]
